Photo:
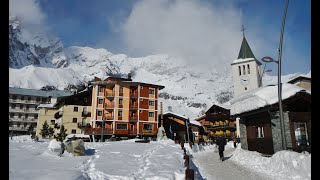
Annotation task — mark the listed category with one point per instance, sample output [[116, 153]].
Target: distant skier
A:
[[221, 142]]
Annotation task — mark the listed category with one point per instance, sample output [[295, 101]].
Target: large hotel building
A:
[[121, 107]]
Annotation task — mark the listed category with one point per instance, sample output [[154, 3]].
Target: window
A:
[[26, 116], [18, 124], [13, 106], [260, 132], [22, 97], [120, 89], [244, 69], [147, 126], [14, 97], [99, 113], [75, 109], [19, 115], [248, 69], [27, 106], [245, 88], [151, 114], [119, 113], [21, 106], [239, 70], [73, 131], [25, 124], [301, 135], [36, 116], [120, 101], [100, 101], [38, 99], [29, 98], [100, 89], [151, 91], [53, 122], [11, 115], [151, 103], [122, 126], [74, 120]]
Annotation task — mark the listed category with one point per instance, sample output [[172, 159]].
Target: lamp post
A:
[[269, 59]]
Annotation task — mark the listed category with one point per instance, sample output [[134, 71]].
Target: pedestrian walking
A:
[[234, 142], [221, 142]]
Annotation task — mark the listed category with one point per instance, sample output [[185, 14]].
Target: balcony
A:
[[109, 117], [133, 106], [148, 132], [221, 127], [108, 106], [98, 131], [133, 118], [86, 114], [133, 94], [109, 95], [83, 125]]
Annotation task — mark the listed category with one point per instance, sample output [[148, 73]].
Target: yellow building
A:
[[72, 112]]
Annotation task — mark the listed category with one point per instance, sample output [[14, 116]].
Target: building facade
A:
[[23, 107], [73, 112], [121, 107]]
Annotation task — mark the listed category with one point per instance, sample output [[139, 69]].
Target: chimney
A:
[[129, 76]]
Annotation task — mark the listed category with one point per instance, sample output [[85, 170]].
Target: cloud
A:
[[201, 33], [28, 11]]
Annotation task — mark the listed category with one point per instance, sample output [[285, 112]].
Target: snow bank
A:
[[54, 145], [23, 138]]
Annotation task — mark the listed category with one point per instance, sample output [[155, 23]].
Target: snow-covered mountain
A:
[[39, 60]]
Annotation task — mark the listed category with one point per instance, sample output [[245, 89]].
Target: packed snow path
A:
[[212, 168]]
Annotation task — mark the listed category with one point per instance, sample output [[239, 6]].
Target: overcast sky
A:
[[204, 32]]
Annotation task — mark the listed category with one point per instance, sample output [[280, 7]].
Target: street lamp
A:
[[269, 59]]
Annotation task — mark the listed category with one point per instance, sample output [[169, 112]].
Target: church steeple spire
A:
[[245, 50]]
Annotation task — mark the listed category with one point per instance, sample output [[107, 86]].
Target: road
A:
[[211, 168]]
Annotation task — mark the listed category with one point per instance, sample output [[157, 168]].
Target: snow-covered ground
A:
[[159, 160]]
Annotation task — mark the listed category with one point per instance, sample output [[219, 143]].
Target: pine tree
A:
[[45, 130], [50, 132], [61, 135]]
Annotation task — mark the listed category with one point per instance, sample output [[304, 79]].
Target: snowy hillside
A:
[[38, 59]]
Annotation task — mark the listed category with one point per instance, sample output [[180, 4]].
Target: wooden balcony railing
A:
[[133, 118], [98, 131]]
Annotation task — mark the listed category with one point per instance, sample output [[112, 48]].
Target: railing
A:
[[17, 109], [27, 101], [133, 94], [109, 117], [148, 132], [110, 95], [83, 125], [133, 118], [108, 106], [133, 106], [98, 131], [86, 113]]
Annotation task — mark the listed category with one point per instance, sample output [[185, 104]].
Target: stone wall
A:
[[243, 132], [276, 131]]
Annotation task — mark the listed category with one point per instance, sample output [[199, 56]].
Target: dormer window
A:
[[239, 70], [244, 69], [248, 69]]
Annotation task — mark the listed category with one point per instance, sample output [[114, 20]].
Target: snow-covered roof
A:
[[47, 105], [38, 93], [197, 123], [78, 136], [242, 60], [175, 114], [262, 97], [183, 117]]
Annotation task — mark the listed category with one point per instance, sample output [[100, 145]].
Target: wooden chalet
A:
[[260, 126], [175, 126], [217, 121]]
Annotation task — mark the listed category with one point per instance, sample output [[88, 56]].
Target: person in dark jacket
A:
[[221, 142]]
